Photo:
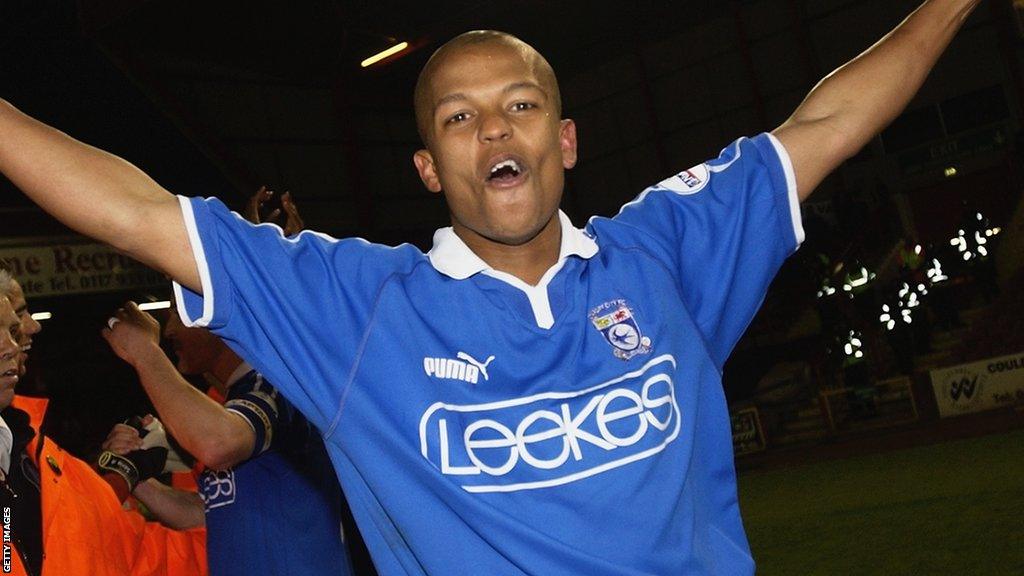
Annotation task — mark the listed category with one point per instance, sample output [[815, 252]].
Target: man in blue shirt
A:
[[528, 397], [267, 476]]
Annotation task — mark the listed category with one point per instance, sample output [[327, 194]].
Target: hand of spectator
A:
[[123, 439], [132, 333], [255, 210], [135, 466], [155, 436]]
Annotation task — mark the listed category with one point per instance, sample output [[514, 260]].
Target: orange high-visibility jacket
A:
[[85, 530]]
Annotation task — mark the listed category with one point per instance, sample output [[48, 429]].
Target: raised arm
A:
[[97, 194], [218, 437], [854, 103]]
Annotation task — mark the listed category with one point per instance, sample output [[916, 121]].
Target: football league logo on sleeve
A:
[[688, 181], [615, 321]]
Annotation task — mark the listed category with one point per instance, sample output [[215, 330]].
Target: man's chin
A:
[[6, 397], [512, 233], [512, 238], [523, 235]]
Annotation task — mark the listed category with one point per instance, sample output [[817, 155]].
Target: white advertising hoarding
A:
[[981, 385], [76, 268]]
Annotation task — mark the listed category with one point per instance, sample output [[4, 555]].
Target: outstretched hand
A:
[[132, 333], [256, 211]]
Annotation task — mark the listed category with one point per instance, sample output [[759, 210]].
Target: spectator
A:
[[64, 518]]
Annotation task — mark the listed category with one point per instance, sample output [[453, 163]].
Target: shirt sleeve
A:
[[296, 308], [724, 228]]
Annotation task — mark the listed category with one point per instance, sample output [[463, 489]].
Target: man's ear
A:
[[567, 140], [424, 162]]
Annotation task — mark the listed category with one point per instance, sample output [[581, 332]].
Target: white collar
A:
[[451, 257], [242, 369]]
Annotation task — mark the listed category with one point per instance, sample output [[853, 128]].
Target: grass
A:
[[955, 508]]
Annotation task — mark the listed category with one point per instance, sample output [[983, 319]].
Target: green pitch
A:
[[955, 508]]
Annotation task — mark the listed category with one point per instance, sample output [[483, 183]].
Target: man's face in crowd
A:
[[10, 351], [196, 348], [495, 143], [29, 326]]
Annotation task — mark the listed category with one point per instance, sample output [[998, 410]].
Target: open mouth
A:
[[11, 374], [505, 171]]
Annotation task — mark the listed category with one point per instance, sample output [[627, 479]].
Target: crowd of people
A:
[[261, 473], [62, 514], [526, 398]]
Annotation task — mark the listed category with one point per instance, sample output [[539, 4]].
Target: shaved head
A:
[[424, 98]]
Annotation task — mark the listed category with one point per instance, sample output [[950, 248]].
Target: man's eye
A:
[[460, 117], [523, 106]]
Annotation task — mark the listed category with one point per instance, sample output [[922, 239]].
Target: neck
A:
[[528, 261]]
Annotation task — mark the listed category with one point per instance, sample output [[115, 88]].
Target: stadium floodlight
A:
[[857, 278], [886, 318], [935, 274], [853, 345], [826, 289]]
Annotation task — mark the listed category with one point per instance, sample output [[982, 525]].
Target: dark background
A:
[[219, 97]]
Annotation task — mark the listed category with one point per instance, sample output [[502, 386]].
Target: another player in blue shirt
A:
[[528, 397], [267, 477]]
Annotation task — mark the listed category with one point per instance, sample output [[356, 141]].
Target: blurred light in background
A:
[[382, 55]]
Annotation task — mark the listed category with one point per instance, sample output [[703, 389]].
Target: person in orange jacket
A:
[[59, 516]]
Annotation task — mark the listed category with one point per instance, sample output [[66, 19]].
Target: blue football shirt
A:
[[279, 512], [483, 426]]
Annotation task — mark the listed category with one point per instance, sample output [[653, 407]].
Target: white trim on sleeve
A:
[[199, 255], [794, 199]]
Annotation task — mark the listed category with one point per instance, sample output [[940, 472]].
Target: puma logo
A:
[[475, 362], [466, 368]]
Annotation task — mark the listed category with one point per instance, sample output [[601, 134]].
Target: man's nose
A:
[[33, 326], [494, 126]]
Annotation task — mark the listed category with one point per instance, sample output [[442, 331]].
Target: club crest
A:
[[615, 321]]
